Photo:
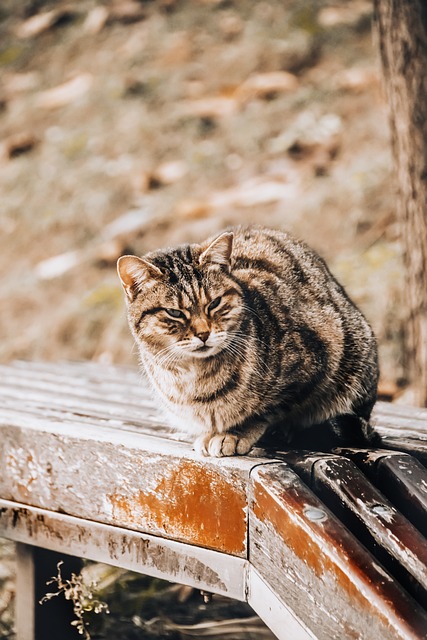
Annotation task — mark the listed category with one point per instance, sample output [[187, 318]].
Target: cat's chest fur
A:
[[191, 397]]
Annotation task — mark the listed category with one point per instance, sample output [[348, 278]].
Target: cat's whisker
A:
[[256, 338], [166, 356], [248, 308], [243, 341]]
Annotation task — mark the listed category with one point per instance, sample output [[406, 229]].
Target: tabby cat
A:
[[246, 332]]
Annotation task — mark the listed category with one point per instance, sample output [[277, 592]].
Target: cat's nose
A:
[[203, 335]]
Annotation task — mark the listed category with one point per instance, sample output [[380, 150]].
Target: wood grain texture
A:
[[88, 441], [402, 478], [291, 529], [143, 483], [266, 603], [25, 586], [88, 467], [201, 568], [377, 523]]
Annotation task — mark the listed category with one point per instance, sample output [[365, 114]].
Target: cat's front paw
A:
[[216, 446], [221, 445]]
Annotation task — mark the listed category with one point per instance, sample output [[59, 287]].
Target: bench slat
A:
[[63, 407], [80, 386], [401, 477], [291, 529], [90, 467], [131, 480], [384, 409], [368, 514], [380, 526], [161, 558]]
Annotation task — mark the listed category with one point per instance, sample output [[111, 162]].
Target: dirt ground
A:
[[127, 125]]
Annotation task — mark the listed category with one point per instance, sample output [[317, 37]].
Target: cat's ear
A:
[[135, 273], [219, 251]]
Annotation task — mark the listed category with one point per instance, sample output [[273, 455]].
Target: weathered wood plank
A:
[[404, 480], [35, 567], [402, 428], [318, 569], [92, 468], [390, 537], [401, 477], [281, 619], [126, 404], [64, 409], [385, 531], [126, 479], [26, 588], [392, 410], [121, 390], [77, 368], [115, 398], [161, 558]]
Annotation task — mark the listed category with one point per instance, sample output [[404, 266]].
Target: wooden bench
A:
[[320, 545]]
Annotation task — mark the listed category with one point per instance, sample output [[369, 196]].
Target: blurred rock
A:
[[176, 50], [346, 14], [295, 52], [140, 181], [388, 390], [127, 223], [65, 93], [126, 11], [266, 85], [16, 83], [135, 87], [17, 144], [357, 79], [107, 253], [311, 137], [168, 5], [57, 265], [193, 89], [253, 192], [42, 22], [169, 172], [213, 107], [192, 209], [96, 20], [231, 25]]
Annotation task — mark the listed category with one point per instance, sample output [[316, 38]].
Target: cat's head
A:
[[182, 303]]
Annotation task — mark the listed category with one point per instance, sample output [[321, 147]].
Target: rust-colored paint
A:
[[286, 520], [192, 504], [310, 541]]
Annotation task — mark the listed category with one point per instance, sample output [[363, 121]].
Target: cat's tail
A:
[[355, 431]]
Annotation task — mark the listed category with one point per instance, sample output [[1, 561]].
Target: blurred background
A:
[[128, 125]]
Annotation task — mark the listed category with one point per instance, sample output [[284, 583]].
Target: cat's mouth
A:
[[204, 351]]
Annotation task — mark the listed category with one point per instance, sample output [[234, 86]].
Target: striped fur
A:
[[246, 332]]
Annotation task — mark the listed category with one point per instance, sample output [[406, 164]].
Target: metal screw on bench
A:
[[314, 514], [381, 509], [207, 596]]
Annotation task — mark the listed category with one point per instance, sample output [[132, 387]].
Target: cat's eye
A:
[[213, 305], [175, 313]]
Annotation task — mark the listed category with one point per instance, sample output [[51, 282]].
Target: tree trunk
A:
[[401, 26]]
